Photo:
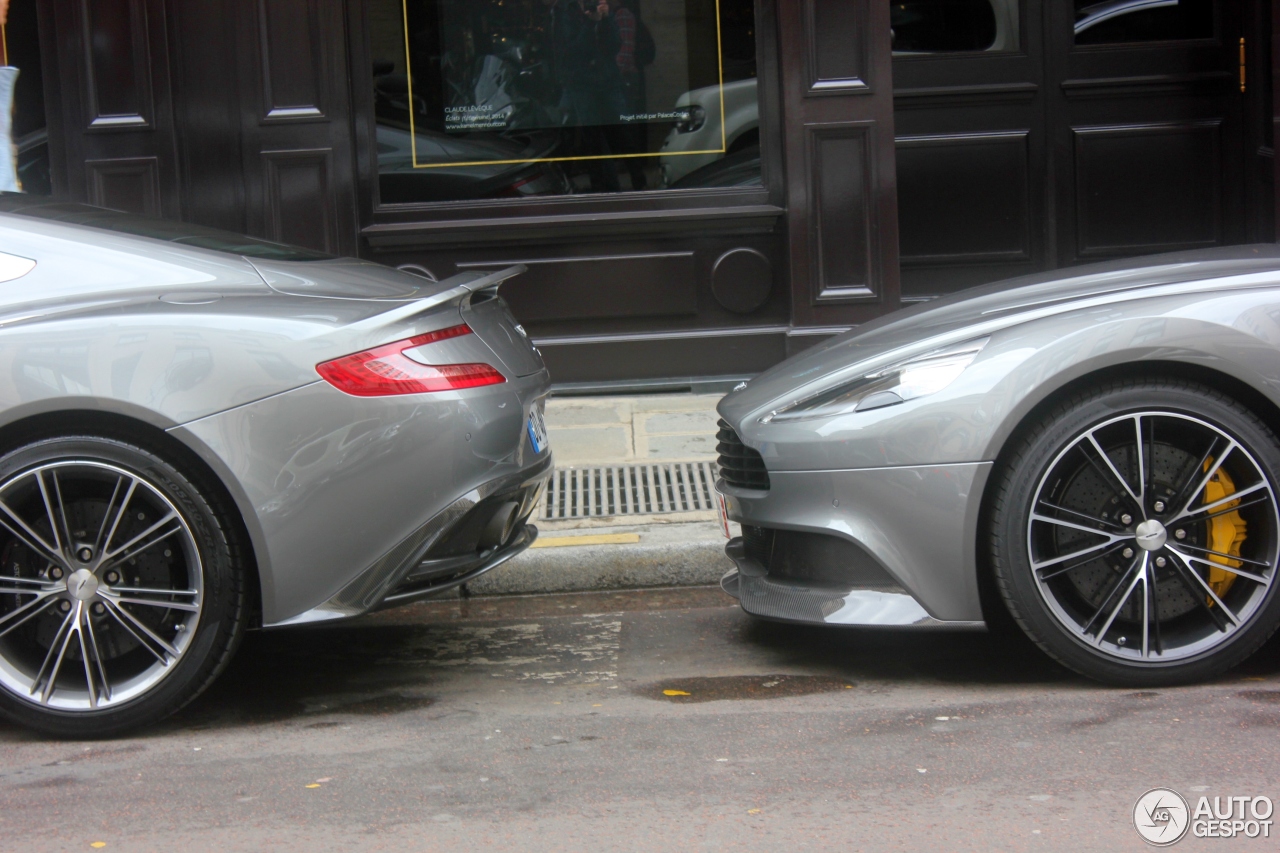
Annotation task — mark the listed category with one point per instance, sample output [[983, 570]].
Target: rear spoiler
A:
[[455, 288], [491, 281]]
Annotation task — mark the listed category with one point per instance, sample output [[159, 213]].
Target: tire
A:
[[1115, 541], [122, 586]]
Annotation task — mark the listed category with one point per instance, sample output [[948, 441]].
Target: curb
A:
[[666, 555]]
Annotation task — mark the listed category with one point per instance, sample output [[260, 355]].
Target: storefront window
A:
[[491, 99], [951, 26], [1124, 21]]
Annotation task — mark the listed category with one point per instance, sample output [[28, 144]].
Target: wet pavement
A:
[[657, 720]]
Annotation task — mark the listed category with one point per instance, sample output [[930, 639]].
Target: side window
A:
[[1127, 21], [494, 99], [951, 26]]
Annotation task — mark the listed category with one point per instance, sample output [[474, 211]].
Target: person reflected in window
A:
[[635, 52], [585, 45]]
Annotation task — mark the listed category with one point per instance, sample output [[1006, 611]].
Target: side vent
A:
[[739, 465]]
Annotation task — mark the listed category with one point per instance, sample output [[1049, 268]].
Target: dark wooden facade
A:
[[886, 178]]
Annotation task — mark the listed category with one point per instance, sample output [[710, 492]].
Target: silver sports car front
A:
[[1093, 450], [201, 432]]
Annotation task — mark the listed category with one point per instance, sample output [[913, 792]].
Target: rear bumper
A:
[[412, 588], [344, 494], [475, 534]]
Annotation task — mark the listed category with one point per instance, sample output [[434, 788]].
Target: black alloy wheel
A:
[[1135, 532]]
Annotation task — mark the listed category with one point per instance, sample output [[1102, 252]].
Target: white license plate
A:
[[724, 516], [537, 429]]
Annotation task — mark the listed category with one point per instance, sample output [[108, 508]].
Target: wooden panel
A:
[[670, 356], [131, 184], [1258, 114], [972, 156], [292, 73], [610, 286], [841, 176], [108, 103], [591, 286], [212, 167], [293, 102], [837, 46], [1147, 188], [117, 65], [964, 198], [1147, 140], [742, 280], [299, 204], [23, 41], [1275, 115], [842, 215]]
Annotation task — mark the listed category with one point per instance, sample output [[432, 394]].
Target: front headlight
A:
[[919, 376], [697, 118]]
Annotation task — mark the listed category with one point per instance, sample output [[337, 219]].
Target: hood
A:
[[991, 307]]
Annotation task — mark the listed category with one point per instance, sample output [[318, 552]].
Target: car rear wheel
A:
[[1135, 533], [121, 595]]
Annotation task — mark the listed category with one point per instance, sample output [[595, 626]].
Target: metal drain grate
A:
[[629, 490]]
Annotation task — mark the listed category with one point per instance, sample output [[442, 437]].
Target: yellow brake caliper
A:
[[1226, 532]]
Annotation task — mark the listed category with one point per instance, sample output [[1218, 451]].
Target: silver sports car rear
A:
[[200, 432], [1095, 450]]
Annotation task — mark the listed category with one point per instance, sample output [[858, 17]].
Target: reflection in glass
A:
[[487, 99], [740, 168], [1122, 21], [949, 26], [34, 173], [704, 131]]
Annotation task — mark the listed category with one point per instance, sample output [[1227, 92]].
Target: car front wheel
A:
[[1135, 533], [121, 597]]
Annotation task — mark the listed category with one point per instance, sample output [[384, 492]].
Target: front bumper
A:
[[787, 600], [906, 540]]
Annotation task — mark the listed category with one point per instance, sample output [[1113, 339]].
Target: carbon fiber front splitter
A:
[[789, 600]]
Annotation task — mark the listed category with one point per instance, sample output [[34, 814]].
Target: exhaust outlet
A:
[[501, 524]]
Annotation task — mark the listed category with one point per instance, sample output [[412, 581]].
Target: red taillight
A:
[[438, 335], [386, 370], [522, 187]]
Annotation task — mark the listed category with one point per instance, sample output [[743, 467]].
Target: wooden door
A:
[[230, 113], [112, 143], [1104, 129], [298, 157], [1145, 117], [837, 109], [968, 78]]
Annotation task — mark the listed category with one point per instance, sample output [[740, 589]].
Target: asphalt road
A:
[[546, 724]]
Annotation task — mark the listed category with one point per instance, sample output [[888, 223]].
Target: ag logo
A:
[[1161, 817]]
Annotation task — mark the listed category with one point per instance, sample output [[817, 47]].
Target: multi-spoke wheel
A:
[[119, 596], [1136, 533]]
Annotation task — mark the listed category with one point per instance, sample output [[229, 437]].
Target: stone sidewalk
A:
[[642, 428], [628, 551]]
